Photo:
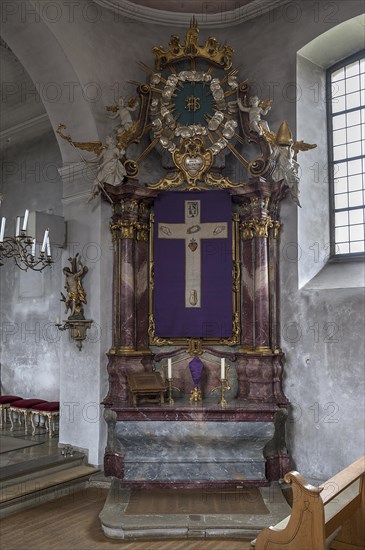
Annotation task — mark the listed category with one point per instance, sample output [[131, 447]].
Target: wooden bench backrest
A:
[[319, 511]]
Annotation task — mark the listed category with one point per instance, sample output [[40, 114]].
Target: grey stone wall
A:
[[30, 344]]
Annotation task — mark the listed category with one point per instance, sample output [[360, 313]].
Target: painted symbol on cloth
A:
[[193, 245], [219, 229], [193, 299], [192, 103], [193, 229], [165, 230], [192, 209]]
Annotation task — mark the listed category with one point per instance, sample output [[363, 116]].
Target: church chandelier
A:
[[23, 247]]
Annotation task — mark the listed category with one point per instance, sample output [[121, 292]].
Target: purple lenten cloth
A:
[[196, 366], [213, 319]]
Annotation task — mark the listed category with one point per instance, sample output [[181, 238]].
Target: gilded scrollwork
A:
[[155, 340], [236, 276], [234, 340]]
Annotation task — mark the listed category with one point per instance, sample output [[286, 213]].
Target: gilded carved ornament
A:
[[211, 51], [256, 227]]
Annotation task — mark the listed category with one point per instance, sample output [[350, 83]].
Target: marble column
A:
[[247, 286], [274, 287], [262, 309], [130, 232], [142, 277], [123, 231]]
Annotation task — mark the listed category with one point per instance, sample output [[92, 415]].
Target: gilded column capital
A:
[[122, 229], [142, 230], [261, 226], [256, 227], [247, 230]]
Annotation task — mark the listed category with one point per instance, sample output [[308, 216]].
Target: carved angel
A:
[[255, 111], [287, 169], [110, 167], [284, 149], [110, 160]]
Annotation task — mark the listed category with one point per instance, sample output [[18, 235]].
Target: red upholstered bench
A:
[[50, 410], [5, 402], [22, 408]]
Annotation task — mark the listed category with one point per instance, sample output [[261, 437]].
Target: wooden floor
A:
[[72, 522]]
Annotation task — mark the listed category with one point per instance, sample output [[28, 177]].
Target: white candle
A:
[[25, 221], [17, 228], [2, 230], [169, 368], [33, 248], [58, 320], [223, 368], [48, 247], [44, 240]]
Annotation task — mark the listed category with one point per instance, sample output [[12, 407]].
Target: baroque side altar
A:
[[196, 273]]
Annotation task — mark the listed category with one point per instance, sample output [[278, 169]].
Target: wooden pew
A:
[[333, 513]]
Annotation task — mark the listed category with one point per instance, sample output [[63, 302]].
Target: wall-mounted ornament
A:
[[74, 302]]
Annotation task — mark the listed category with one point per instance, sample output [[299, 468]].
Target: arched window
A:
[[346, 144]]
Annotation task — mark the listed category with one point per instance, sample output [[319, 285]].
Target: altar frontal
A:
[[193, 264]]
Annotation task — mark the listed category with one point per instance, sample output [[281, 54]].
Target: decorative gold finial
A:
[[284, 135]]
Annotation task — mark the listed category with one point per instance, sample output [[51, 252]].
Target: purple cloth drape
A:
[[214, 318]]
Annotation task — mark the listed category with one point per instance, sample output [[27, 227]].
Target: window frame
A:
[[350, 256]]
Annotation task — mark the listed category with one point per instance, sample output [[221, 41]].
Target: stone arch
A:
[[55, 78]]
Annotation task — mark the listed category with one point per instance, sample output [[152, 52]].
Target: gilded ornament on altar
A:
[[193, 160], [220, 55]]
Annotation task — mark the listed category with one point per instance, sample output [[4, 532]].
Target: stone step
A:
[[119, 522], [23, 471], [15, 495]]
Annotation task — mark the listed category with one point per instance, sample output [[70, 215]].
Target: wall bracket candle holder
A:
[[78, 329]]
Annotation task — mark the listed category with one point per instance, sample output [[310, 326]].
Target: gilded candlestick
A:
[[224, 386], [170, 399]]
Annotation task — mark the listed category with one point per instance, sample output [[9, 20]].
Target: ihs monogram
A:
[[192, 103]]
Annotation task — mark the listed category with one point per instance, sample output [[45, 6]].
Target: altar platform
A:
[[191, 514]]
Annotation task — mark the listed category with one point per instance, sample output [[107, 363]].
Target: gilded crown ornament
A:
[[220, 55]]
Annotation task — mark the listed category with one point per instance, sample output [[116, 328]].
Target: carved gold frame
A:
[[195, 345]]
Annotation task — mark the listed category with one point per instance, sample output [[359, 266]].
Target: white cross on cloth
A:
[[192, 232]]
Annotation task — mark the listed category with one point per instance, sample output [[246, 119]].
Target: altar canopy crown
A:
[[220, 55]]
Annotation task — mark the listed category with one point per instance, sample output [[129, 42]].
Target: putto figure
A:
[[255, 111], [76, 295], [123, 110]]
